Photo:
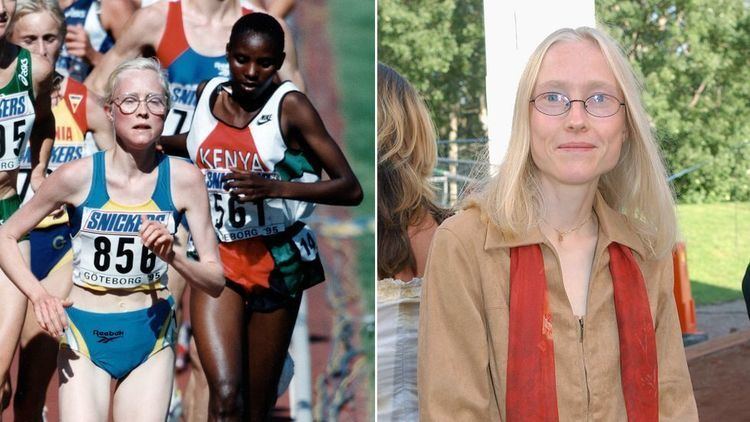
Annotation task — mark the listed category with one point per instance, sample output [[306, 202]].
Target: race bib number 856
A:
[[116, 256]]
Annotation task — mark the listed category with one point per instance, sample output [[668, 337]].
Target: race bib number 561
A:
[[234, 220]]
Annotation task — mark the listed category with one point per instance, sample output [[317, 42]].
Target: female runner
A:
[[262, 146], [25, 83], [39, 26], [124, 205]]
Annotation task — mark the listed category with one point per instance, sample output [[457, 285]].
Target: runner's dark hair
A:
[[258, 23]]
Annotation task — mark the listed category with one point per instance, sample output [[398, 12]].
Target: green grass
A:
[[352, 29], [718, 249]]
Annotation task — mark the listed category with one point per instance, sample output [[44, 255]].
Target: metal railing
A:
[[451, 175], [450, 182]]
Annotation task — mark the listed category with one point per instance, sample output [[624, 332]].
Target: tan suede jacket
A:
[[463, 332]]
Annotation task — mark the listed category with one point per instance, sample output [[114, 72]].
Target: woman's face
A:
[[142, 127], [253, 62], [40, 34], [575, 147]]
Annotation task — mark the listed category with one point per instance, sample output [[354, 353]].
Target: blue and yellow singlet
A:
[[107, 249]]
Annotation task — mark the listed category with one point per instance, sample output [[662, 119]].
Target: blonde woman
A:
[[124, 205], [550, 296], [407, 220]]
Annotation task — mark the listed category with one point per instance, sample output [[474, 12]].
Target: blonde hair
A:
[[140, 63], [407, 152], [637, 186], [28, 7]]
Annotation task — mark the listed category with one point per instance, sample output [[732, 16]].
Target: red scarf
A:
[[531, 393]]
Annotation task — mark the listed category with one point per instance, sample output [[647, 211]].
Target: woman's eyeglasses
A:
[[155, 103], [556, 104]]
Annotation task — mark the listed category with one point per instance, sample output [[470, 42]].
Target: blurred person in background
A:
[[92, 26], [407, 219], [39, 26], [189, 38], [25, 100]]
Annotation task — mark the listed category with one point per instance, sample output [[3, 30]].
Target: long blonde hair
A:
[[637, 186], [407, 153]]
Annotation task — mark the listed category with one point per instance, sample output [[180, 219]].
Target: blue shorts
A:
[[119, 342], [48, 247]]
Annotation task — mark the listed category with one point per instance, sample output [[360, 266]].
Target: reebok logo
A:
[[108, 336], [264, 119]]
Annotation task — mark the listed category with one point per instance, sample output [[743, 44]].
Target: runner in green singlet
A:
[[25, 116]]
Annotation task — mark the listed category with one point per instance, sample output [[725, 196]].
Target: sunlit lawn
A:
[[718, 249]]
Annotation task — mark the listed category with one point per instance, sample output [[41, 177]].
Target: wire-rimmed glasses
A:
[[155, 103], [556, 104]]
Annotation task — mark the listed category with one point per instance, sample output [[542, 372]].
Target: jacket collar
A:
[[613, 227]]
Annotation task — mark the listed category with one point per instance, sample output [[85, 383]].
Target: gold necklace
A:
[[562, 233]]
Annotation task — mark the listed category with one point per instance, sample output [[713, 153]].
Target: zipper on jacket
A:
[[580, 322], [585, 370]]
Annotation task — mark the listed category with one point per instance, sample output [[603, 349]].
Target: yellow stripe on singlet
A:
[[111, 205], [66, 259]]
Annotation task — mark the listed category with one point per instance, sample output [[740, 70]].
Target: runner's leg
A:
[[84, 388], [143, 395], [269, 334], [12, 312], [218, 327], [196, 392], [38, 353]]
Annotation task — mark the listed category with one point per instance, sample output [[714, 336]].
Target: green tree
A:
[[439, 46], [693, 57]]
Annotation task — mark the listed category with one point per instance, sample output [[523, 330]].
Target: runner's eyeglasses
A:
[[155, 103]]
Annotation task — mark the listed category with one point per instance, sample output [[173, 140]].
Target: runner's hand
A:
[[50, 313], [249, 187], [157, 238], [78, 44]]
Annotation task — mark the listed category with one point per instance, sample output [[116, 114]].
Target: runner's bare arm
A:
[[304, 130], [78, 44], [115, 14], [279, 8], [174, 145], [67, 185], [144, 28], [189, 194], [99, 125], [43, 132]]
